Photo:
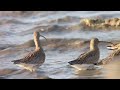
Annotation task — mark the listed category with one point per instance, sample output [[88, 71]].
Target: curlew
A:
[[114, 54], [35, 59], [113, 46], [111, 57], [88, 58]]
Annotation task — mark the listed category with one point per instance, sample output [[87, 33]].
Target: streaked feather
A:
[[35, 59], [85, 58], [109, 58]]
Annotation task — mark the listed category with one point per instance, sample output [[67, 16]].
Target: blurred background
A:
[[67, 39]]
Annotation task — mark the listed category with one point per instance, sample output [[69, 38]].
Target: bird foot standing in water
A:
[[35, 59]]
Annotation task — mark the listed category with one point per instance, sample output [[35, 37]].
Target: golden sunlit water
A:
[[66, 40]]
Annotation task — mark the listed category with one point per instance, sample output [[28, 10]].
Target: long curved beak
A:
[[43, 37], [106, 42]]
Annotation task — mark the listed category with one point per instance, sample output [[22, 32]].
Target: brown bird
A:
[[112, 55], [90, 57], [113, 46], [35, 59]]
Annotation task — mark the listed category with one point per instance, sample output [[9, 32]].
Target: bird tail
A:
[[73, 62], [70, 62], [16, 61]]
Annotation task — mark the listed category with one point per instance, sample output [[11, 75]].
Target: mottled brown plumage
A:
[[89, 57], [35, 59], [114, 46], [110, 57]]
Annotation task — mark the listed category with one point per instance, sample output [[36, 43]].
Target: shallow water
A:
[[66, 41]]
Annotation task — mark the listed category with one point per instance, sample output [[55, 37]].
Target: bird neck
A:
[[37, 42], [94, 47]]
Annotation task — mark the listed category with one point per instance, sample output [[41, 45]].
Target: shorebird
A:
[[112, 55], [35, 59], [88, 58], [113, 46]]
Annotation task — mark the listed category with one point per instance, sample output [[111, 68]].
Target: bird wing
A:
[[84, 58], [116, 53], [109, 57], [28, 58]]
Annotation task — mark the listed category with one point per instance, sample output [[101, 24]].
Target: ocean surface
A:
[[66, 41]]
